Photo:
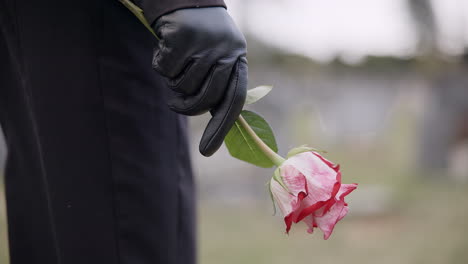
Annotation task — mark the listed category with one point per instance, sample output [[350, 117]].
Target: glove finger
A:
[[227, 112], [190, 80], [211, 92]]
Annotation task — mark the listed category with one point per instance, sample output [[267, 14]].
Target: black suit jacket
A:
[[98, 170], [155, 8]]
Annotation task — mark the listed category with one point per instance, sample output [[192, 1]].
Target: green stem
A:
[[138, 12], [273, 156]]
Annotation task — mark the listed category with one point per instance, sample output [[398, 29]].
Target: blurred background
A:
[[382, 85]]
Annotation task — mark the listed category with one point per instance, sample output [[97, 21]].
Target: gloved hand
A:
[[202, 53]]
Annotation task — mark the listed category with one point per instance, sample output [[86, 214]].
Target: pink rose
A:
[[313, 194]]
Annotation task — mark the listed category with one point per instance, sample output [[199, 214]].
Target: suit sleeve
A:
[[153, 9]]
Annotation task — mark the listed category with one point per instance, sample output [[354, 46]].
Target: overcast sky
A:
[[323, 29]]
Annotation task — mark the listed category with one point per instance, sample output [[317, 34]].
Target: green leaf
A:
[[138, 12], [257, 93], [243, 147], [301, 149]]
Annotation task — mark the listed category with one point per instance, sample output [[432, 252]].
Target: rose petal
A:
[[313, 168], [327, 222], [335, 167], [305, 210], [284, 200], [309, 220], [287, 202], [344, 212], [323, 182], [345, 190], [314, 192], [293, 179]]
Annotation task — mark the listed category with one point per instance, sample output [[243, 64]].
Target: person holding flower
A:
[[98, 169]]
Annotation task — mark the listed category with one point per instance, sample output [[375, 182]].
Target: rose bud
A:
[[308, 188]]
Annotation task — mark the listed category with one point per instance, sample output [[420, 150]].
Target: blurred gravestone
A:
[[444, 125]]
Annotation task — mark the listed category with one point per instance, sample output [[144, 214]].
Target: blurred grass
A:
[[427, 226]]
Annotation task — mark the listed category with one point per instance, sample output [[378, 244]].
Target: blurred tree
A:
[[425, 25]]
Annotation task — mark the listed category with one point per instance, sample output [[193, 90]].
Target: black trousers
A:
[[98, 169]]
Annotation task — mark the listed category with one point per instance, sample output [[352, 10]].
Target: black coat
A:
[[98, 170]]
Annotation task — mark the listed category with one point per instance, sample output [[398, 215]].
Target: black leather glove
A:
[[202, 55]]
